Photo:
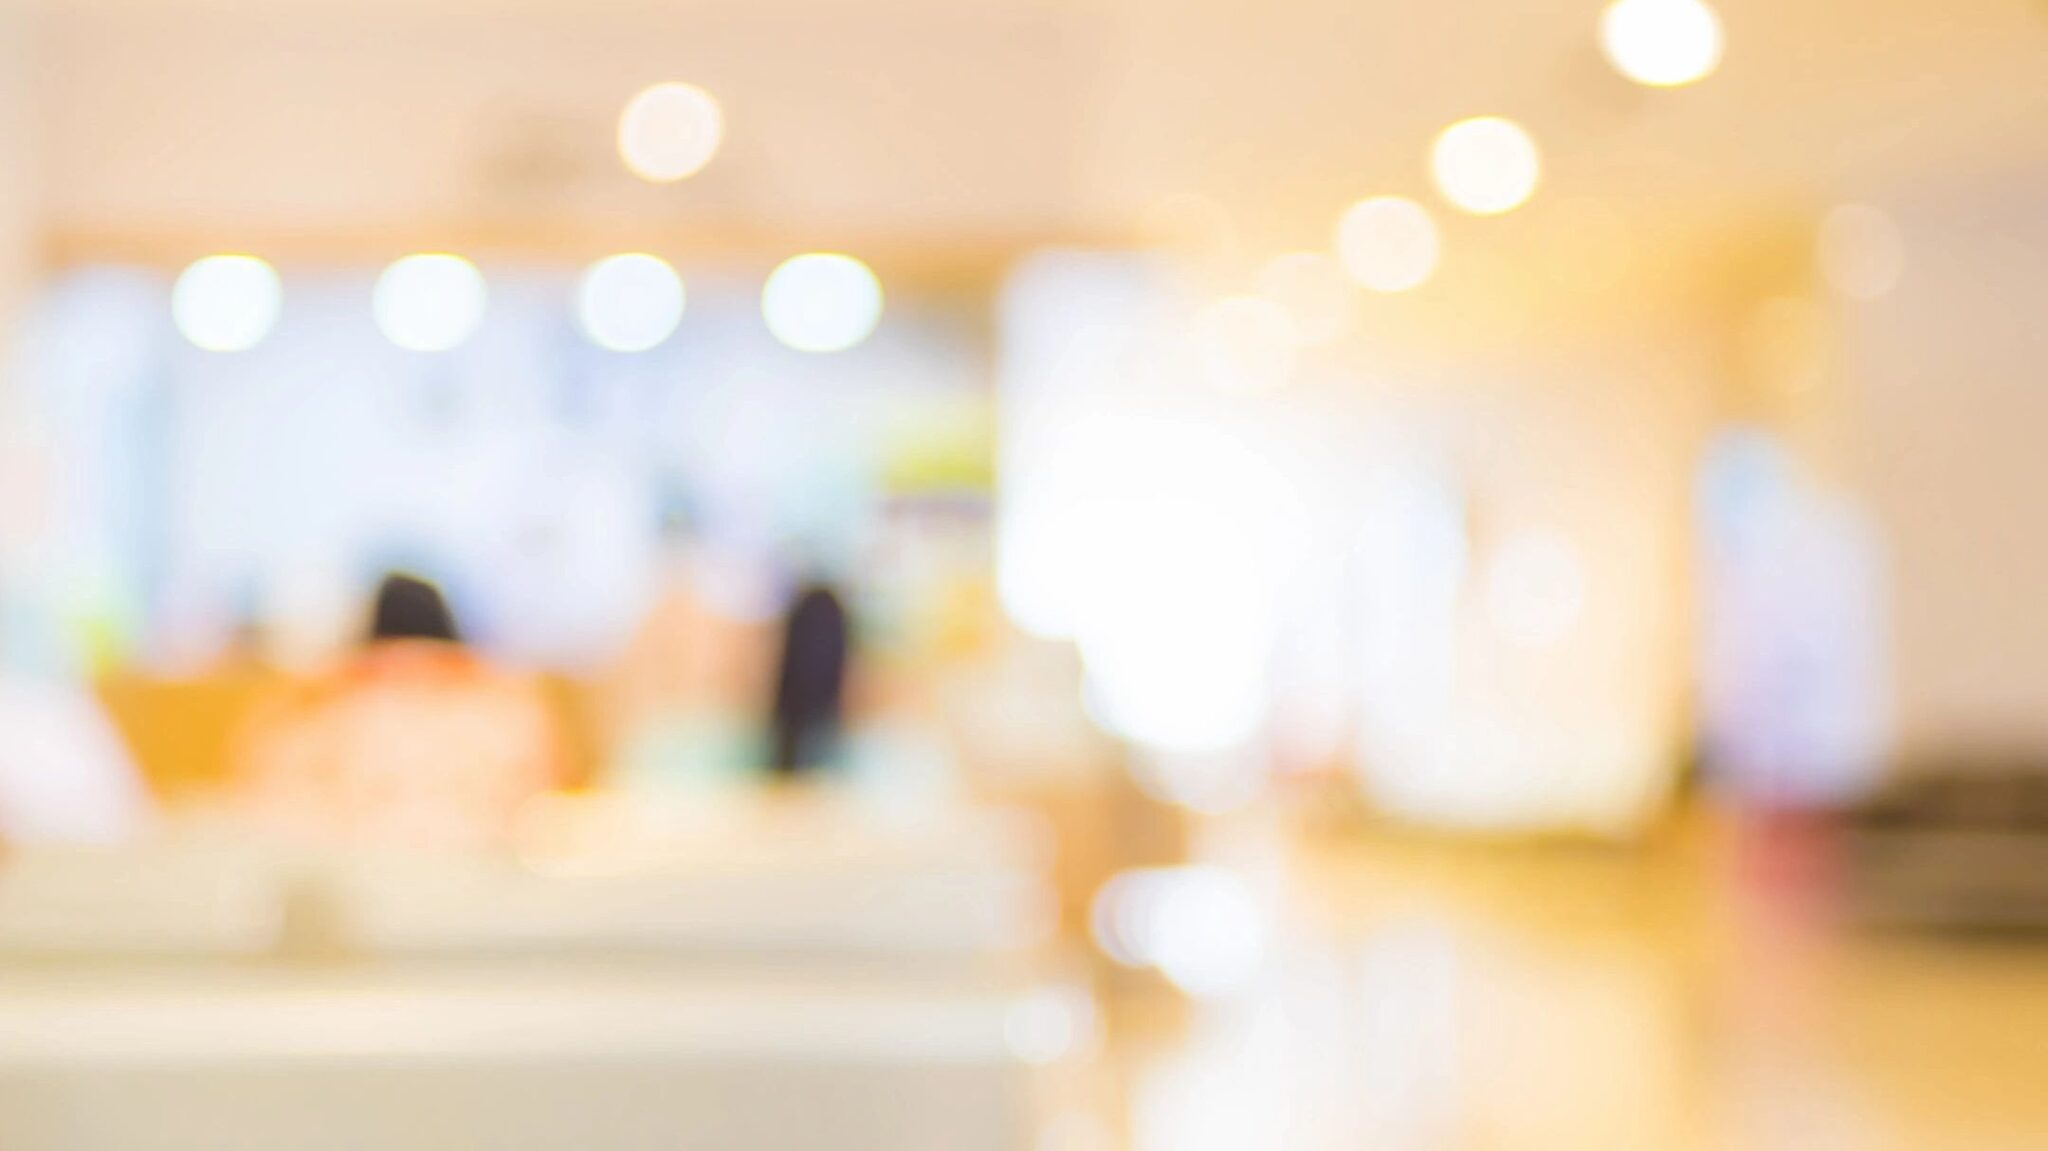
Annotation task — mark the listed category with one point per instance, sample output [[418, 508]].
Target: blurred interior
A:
[[1027, 574]]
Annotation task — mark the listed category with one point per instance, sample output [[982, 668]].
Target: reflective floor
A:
[[1687, 994], [1352, 989]]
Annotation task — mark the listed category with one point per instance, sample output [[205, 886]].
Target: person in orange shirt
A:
[[413, 740]]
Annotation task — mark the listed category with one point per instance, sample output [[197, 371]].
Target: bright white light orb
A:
[[1166, 520], [1245, 343], [629, 302], [1862, 253], [1388, 243], [1312, 287], [1201, 926], [822, 302], [1536, 587], [669, 132], [226, 303], [429, 302], [1661, 43], [1486, 165]]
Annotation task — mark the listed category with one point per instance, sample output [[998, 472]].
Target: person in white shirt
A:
[[65, 774]]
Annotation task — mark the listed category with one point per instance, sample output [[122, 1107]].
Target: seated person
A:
[[808, 712], [413, 740]]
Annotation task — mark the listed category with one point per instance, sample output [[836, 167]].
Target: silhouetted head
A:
[[811, 687], [411, 608]]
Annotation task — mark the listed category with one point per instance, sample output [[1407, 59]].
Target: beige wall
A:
[[1594, 445], [1948, 378], [19, 174]]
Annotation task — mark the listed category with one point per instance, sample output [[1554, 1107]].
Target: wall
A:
[[1349, 550], [21, 471], [1948, 391], [19, 165]]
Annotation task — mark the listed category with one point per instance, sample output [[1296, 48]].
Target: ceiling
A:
[[955, 127]]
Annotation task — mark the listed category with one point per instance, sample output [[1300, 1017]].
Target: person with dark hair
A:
[[810, 686], [411, 608], [412, 739]]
